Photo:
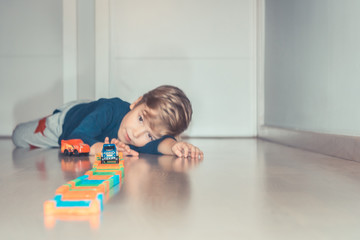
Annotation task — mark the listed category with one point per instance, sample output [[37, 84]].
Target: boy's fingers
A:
[[199, 154], [120, 144], [178, 152], [186, 151], [131, 152], [122, 147], [125, 148], [134, 153], [194, 152]]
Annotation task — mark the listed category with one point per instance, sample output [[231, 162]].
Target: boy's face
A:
[[135, 128]]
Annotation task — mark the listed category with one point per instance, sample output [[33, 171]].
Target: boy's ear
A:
[[134, 103]]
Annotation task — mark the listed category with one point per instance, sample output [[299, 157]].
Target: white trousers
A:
[[44, 132]]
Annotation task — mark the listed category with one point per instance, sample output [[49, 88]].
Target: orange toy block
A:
[[69, 187], [80, 195], [51, 220], [51, 209]]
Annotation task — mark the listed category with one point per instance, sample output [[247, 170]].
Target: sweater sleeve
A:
[[151, 147]]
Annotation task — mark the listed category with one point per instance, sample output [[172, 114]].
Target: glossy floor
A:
[[243, 189]]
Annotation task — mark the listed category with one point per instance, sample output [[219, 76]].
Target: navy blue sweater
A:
[[94, 121]]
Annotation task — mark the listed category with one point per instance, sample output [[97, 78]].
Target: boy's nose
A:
[[138, 132]]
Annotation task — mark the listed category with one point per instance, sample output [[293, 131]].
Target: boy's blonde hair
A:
[[172, 106]]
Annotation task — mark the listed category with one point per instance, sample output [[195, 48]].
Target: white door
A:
[[204, 47]]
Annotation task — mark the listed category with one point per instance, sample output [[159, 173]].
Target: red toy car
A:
[[74, 146]]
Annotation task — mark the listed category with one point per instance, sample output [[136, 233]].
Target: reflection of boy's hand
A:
[[122, 147], [185, 164], [129, 161], [184, 149], [175, 164]]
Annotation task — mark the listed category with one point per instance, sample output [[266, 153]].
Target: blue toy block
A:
[[78, 203]]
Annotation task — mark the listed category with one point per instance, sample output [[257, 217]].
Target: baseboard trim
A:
[[5, 137], [341, 146]]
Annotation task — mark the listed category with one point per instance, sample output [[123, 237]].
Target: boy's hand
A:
[[184, 149], [122, 147]]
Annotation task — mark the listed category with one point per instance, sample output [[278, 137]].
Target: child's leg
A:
[[39, 133], [45, 132]]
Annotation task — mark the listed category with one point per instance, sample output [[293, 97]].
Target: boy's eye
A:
[[151, 137], [141, 119]]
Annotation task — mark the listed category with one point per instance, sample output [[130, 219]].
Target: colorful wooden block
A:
[[85, 195]]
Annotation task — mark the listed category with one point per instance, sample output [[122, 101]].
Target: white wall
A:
[[30, 60], [312, 65], [78, 55], [86, 49], [206, 47]]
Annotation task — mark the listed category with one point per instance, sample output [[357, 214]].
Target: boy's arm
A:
[[170, 146], [165, 146]]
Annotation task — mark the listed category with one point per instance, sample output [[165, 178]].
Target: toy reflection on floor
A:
[[74, 167], [84, 197], [155, 186]]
